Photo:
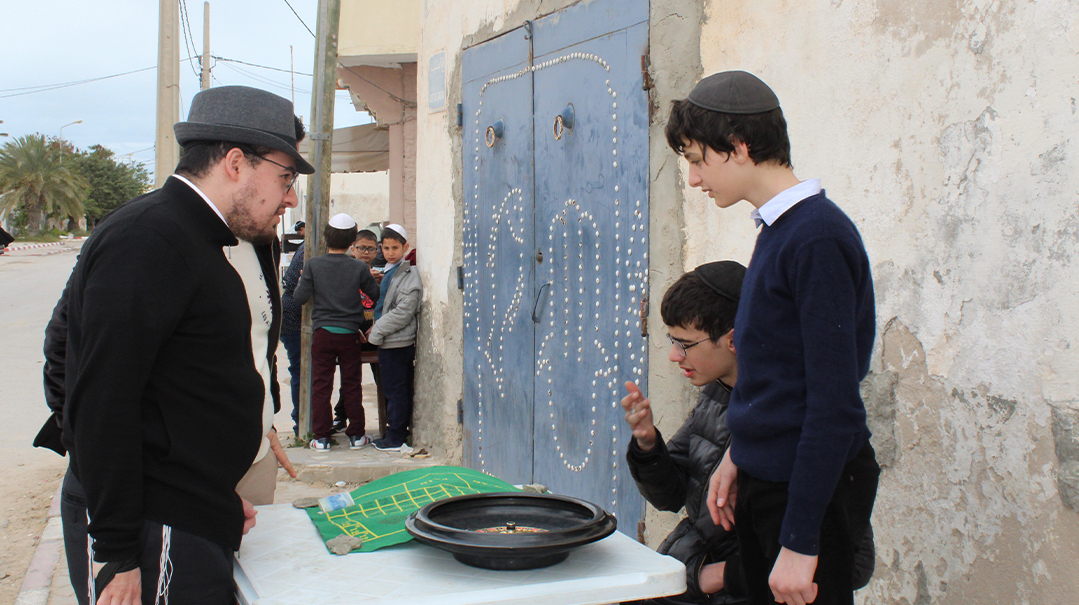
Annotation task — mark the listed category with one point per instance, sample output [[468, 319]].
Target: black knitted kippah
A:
[[725, 277], [734, 92]]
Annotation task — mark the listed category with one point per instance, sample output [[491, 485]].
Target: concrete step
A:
[[353, 466]]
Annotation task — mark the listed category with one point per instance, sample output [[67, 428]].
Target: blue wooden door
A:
[[591, 162], [555, 152], [498, 257]]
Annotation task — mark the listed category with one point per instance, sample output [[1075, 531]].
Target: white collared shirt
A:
[[203, 196], [775, 207]]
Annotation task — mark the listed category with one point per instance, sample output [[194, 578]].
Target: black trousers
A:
[[200, 570], [759, 515], [398, 373]]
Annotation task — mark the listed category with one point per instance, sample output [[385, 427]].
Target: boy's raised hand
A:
[[639, 416]]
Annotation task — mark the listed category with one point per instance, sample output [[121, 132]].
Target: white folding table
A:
[[283, 561]]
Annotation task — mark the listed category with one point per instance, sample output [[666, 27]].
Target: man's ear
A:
[[730, 343], [234, 162]]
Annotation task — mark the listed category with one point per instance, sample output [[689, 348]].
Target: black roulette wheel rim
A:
[[475, 528]]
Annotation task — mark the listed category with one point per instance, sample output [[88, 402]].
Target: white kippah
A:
[[342, 221], [399, 229]]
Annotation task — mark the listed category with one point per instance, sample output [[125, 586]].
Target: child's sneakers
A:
[[361, 441], [320, 445]]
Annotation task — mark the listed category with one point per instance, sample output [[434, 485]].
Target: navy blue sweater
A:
[[804, 334]]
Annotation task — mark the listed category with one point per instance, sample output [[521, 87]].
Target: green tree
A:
[[33, 181], [111, 183]]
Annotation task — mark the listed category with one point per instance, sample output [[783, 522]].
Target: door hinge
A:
[[644, 310], [460, 411], [460, 277], [646, 78], [460, 114]]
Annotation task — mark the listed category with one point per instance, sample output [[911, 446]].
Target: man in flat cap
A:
[[800, 476], [171, 336]]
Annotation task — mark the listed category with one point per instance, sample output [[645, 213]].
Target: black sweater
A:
[[804, 333], [164, 404]]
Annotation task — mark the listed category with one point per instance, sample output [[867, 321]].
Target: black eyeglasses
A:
[[364, 248], [682, 346], [295, 174]]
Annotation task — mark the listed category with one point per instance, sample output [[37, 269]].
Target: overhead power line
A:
[[29, 90], [287, 71], [189, 40], [301, 19]]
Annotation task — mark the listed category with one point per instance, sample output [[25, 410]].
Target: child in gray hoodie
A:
[[394, 332]]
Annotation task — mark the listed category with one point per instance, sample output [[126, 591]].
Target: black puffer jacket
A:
[[675, 474]]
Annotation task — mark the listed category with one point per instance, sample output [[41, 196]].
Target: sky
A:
[[51, 42]]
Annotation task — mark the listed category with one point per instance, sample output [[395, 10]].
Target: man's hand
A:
[[791, 580], [377, 275], [639, 416], [249, 515], [124, 589], [722, 492], [279, 453], [711, 577]]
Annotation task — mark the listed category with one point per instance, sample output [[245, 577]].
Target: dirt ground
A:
[[24, 507]]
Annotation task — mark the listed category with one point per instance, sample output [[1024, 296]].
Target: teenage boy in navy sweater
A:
[[799, 478]]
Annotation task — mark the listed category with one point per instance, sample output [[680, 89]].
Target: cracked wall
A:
[[943, 128]]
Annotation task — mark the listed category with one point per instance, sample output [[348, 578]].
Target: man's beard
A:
[[242, 224]]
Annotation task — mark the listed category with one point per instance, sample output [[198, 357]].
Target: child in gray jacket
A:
[[394, 332]]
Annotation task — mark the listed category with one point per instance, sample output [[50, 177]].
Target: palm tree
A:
[[32, 179]]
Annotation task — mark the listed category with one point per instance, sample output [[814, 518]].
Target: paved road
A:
[[30, 283]]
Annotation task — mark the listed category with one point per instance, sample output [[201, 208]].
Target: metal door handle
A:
[[494, 132], [564, 120], [535, 306]]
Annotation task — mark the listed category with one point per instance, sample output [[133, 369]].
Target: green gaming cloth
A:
[[376, 512]]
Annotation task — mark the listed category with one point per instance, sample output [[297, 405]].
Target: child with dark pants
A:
[[396, 318], [799, 478], [364, 249], [337, 283]]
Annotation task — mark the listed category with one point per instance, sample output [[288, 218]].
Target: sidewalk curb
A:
[[62, 242], [38, 579]]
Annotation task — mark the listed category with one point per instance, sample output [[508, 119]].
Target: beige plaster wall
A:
[[943, 127], [380, 32], [365, 196]]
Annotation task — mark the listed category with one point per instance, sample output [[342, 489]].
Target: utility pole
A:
[[168, 90], [205, 45], [318, 207]]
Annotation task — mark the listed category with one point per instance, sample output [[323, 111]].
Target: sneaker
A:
[[356, 443], [387, 445], [339, 426], [321, 445]]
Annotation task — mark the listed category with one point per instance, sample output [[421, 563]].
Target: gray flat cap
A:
[[241, 114], [724, 277], [736, 92]]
